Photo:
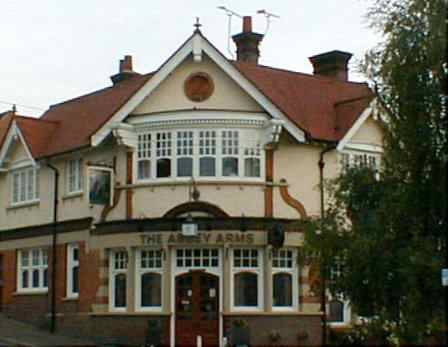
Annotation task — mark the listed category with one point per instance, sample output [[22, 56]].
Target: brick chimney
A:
[[331, 64], [125, 70], [247, 43]]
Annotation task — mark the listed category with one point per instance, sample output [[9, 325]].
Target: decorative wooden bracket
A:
[[294, 203], [108, 209]]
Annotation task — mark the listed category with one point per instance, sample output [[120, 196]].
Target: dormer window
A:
[[199, 153], [24, 185]]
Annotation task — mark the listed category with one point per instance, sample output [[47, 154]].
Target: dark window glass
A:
[[75, 280], [151, 290], [252, 167], [246, 289], [46, 278], [230, 167], [25, 279], [336, 312], [163, 168], [184, 167], [207, 166], [75, 254], [120, 290], [35, 279], [282, 290]]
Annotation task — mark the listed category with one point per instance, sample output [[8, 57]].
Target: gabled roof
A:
[[324, 108], [5, 123]]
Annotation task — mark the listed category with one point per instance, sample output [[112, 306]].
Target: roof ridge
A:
[[37, 119], [137, 77], [366, 96], [326, 78]]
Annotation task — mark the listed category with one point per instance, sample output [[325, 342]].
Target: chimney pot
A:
[[125, 70], [126, 64], [247, 24]]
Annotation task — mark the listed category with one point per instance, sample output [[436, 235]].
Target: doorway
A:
[[197, 309]]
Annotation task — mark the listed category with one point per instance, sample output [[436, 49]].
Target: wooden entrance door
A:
[[197, 309]]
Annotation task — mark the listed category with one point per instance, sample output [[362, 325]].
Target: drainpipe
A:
[[53, 249], [321, 164]]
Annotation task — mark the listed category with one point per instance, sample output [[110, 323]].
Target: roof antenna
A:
[[229, 13], [268, 16]]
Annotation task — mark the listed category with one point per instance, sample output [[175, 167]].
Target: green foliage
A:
[[389, 232]]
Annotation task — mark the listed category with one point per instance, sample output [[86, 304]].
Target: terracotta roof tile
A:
[[308, 100], [5, 123]]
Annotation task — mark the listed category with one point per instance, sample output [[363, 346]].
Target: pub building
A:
[[168, 209]]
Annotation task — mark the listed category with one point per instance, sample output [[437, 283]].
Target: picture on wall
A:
[[100, 186]]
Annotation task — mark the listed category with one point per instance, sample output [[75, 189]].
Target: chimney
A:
[[125, 70], [331, 64], [247, 43]]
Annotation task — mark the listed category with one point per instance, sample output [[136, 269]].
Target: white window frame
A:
[[139, 271], [353, 158], [259, 270], [29, 188], [41, 267], [346, 312], [72, 263], [74, 176], [294, 272], [113, 272], [249, 146]]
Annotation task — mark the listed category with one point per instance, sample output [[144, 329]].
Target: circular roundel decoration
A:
[[198, 87]]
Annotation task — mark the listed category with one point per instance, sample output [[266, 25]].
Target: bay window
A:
[[24, 185], [118, 280], [32, 270], [247, 279], [284, 279], [149, 279], [199, 153], [351, 159]]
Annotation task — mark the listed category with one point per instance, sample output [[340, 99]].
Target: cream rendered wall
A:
[[169, 95], [235, 200], [369, 133], [70, 207]]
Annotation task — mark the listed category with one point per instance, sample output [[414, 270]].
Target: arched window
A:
[[149, 264], [336, 311], [118, 280], [282, 288]]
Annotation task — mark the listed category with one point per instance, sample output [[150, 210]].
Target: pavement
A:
[[18, 334]]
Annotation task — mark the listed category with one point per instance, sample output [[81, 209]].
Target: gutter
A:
[[53, 249], [321, 165]]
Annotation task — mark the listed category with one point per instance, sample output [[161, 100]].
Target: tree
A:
[[390, 232]]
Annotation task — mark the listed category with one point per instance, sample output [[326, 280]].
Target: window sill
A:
[[73, 195], [71, 298], [125, 313], [198, 182], [32, 292], [23, 205], [272, 313]]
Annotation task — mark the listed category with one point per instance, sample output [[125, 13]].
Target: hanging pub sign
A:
[[276, 236], [100, 185]]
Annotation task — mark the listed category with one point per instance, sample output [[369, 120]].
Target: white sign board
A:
[[189, 229], [445, 277]]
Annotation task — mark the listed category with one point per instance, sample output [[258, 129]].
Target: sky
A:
[[55, 50]]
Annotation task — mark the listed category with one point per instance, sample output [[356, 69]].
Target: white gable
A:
[[196, 46], [14, 148]]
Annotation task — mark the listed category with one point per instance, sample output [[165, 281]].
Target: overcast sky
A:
[[54, 50]]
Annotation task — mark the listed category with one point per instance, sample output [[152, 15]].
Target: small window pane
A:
[[336, 311], [120, 290], [252, 167], [246, 289], [230, 166], [45, 278], [75, 280], [25, 279], [144, 169], [35, 279], [151, 291], [163, 168], [185, 167], [25, 259], [282, 290], [207, 166]]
